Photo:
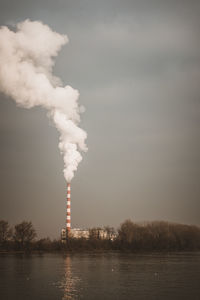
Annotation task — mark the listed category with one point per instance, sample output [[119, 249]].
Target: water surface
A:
[[100, 276]]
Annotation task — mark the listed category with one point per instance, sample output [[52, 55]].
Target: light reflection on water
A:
[[112, 276], [123, 276], [69, 283]]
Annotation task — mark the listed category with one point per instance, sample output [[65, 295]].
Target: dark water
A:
[[100, 276]]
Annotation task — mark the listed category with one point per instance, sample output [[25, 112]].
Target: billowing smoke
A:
[[26, 62]]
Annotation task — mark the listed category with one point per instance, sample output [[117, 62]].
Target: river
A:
[[100, 276]]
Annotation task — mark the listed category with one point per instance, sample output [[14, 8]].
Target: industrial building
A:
[[77, 233]]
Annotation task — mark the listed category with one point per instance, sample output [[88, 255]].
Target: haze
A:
[[136, 65]]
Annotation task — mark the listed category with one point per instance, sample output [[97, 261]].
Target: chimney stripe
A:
[[68, 210]]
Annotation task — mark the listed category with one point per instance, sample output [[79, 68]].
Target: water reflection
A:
[[100, 276], [70, 282]]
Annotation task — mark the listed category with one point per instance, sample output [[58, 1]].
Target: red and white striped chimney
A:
[[68, 220]]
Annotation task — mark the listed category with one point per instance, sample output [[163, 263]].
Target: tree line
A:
[[130, 236]]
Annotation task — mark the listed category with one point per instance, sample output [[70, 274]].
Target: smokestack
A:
[[68, 220]]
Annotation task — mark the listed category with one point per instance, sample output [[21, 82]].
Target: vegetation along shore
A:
[[130, 236]]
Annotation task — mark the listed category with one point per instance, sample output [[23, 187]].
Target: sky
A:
[[136, 65]]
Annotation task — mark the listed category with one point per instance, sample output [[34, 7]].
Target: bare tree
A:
[[126, 231], [5, 232], [110, 232], [24, 233], [94, 233]]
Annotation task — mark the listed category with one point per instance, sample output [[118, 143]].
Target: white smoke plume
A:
[[26, 62]]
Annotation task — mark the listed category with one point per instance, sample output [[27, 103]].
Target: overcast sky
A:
[[136, 65]]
